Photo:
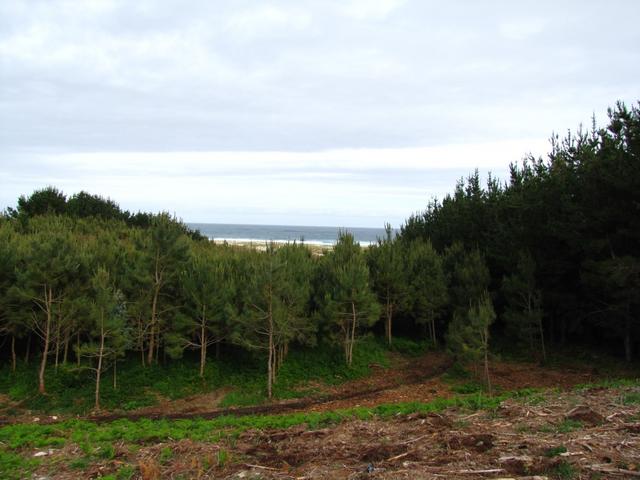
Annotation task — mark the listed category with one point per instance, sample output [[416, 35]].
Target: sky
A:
[[328, 112]]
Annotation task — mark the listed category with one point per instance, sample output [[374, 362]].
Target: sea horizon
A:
[[310, 234]]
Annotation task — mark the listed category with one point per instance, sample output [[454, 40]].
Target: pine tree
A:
[[349, 302], [207, 288], [427, 288], [468, 334], [523, 313], [386, 265], [109, 335]]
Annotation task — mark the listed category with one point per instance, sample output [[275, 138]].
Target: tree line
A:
[[560, 238], [549, 258]]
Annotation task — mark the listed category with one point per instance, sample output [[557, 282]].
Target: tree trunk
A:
[[271, 350], [154, 309], [157, 345], [270, 361], [486, 360], [115, 374], [141, 340], [152, 344], [78, 349], [13, 353], [347, 336], [28, 351], [353, 332], [203, 343], [389, 314], [48, 296], [432, 330], [65, 355], [542, 346], [628, 353], [99, 369], [57, 343]]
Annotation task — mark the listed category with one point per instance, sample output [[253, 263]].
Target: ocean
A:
[[283, 233]]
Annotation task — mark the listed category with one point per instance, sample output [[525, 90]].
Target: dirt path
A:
[[407, 380], [404, 374]]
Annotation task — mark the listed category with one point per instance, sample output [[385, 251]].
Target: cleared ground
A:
[[557, 432]]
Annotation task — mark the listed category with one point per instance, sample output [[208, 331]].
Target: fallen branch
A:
[[402, 455], [261, 466], [473, 472], [416, 439]]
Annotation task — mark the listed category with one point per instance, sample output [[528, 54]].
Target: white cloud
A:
[[520, 29], [370, 9], [360, 186], [266, 20]]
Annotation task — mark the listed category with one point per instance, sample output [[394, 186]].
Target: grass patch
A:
[[16, 467], [631, 398], [222, 458], [166, 454], [81, 463], [555, 451], [564, 470], [125, 473], [468, 387], [566, 426]]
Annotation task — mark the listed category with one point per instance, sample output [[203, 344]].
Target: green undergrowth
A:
[[71, 389], [97, 441], [91, 436], [410, 347], [306, 370], [14, 466]]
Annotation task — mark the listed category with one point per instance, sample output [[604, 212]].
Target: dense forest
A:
[[549, 258]]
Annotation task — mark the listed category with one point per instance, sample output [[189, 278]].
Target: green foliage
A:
[[427, 289], [523, 315], [81, 463], [567, 425], [125, 472], [387, 267], [468, 333], [222, 457], [411, 347], [166, 454], [555, 451], [631, 398], [348, 302], [48, 200], [97, 438], [71, 389], [573, 213], [469, 387], [14, 466], [564, 470]]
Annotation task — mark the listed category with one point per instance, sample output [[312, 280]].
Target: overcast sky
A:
[[327, 112]]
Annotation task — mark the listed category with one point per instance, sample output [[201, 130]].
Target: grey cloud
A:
[[299, 76], [424, 73]]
